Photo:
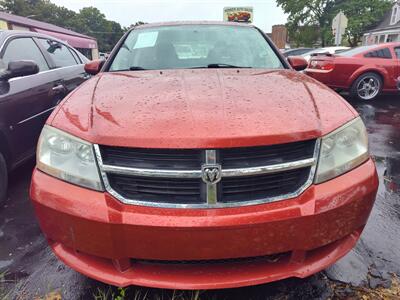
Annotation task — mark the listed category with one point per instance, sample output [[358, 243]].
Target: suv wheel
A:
[[367, 87], [3, 179]]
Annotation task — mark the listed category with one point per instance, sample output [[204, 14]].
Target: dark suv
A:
[[36, 73]]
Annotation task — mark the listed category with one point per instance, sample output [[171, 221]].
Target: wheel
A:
[[3, 179], [367, 87]]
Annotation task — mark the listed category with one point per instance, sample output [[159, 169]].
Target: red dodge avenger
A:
[[364, 71], [198, 158]]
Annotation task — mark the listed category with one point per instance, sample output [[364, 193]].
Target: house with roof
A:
[[85, 44], [388, 30]]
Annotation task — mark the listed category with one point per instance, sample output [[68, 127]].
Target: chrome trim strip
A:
[[307, 184], [269, 169], [37, 115], [197, 173], [212, 188]]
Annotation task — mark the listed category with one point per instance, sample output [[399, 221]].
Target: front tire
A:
[[3, 179], [367, 87]]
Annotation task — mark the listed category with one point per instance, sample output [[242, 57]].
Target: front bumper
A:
[[131, 245]]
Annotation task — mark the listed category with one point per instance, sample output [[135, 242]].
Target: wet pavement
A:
[[28, 269]]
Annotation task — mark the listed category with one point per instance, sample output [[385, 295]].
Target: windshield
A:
[[195, 46]]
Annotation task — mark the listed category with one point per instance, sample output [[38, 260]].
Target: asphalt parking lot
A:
[[29, 270]]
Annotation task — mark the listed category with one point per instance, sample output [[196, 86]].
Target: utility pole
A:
[[339, 25]]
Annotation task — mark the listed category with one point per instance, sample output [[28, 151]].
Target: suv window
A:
[[397, 50], [381, 53], [23, 49], [60, 54]]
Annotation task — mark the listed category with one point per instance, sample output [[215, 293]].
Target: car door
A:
[[25, 102], [69, 66], [384, 58]]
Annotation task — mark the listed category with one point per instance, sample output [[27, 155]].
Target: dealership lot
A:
[[28, 267]]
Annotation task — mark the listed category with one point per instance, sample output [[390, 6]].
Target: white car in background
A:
[[327, 50]]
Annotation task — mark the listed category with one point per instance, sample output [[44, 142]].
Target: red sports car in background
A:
[[364, 71]]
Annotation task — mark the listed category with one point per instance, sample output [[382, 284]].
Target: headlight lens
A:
[[342, 150], [68, 158]]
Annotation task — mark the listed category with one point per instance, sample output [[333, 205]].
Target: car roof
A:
[[8, 33], [391, 44], [178, 23]]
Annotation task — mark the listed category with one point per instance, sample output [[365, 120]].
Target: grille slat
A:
[[251, 189], [168, 159], [266, 155], [184, 190]]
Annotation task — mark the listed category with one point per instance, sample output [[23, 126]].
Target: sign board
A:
[[238, 14], [339, 25], [3, 25]]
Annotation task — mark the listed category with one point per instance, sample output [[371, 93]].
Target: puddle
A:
[[5, 263]]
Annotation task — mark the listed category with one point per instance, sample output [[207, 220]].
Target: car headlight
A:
[[68, 158], [342, 150]]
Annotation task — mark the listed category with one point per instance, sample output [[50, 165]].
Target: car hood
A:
[[202, 108]]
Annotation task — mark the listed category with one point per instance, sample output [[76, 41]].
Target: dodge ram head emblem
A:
[[211, 174]]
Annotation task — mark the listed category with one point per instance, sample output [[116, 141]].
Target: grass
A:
[[4, 295], [283, 291], [339, 290], [365, 293], [145, 294]]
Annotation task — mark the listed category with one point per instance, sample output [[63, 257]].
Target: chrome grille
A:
[[176, 178]]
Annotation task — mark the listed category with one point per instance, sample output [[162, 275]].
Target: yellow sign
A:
[[238, 14], [3, 25]]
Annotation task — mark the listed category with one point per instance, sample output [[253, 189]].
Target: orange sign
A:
[[238, 14]]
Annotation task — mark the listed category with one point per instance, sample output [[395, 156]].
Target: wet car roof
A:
[[177, 23]]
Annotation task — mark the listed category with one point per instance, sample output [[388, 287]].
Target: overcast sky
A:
[[126, 12]]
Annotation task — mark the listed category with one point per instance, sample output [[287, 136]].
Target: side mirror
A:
[[19, 68], [298, 63], [93, 67]]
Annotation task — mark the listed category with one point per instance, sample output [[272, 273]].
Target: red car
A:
[[364, 71], [224, 169]]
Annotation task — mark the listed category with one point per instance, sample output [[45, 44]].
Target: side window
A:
[[381, 53], [397, 50], [24, 49], [60, 54]]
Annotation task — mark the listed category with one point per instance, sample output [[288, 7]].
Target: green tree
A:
[[89, 20], [304, 36], [363, 15], [317, 13], [138, 23], [92, 22]]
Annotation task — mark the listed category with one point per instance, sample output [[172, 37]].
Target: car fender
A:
[[365, 69]]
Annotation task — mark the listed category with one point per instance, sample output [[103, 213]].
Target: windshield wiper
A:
[[135, 68], [216, 66], [212, 66]]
